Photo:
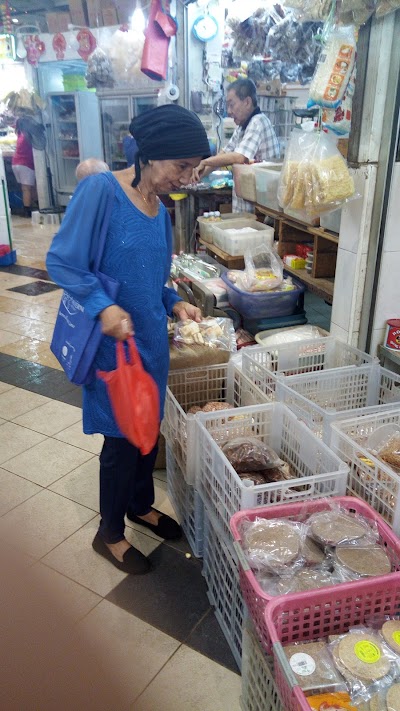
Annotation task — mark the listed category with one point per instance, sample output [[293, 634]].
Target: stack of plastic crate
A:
[[259, 689]]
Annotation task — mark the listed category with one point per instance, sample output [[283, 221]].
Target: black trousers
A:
[[126, 484]]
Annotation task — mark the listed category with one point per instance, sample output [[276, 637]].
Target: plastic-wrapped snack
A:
[[358, 560], [333, 701], [391, 634], [312, 553], [313, 667], [337, 525], [390, 452], [249, 454], [339, 120], [99, 73], [334, 67], [271, 544], [212, 332], [393, 698], [263, 270]]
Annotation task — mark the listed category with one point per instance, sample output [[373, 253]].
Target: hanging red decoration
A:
[[34, 48], [87, 43], [5, 17], [59, 45]]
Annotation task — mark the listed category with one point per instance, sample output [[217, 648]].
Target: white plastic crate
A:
[[206, 226], [221, 573], [259, 690], [370, 479], [235, 244], [187, 504], [319, 399], [262, 364], [319, 472], [197, 386]]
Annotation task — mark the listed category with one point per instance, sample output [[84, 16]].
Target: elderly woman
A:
[[171, 142]]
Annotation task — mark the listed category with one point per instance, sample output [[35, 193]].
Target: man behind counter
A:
[[254, 138]]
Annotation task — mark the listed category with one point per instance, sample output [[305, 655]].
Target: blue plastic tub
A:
[[7, 259], [271, 304]]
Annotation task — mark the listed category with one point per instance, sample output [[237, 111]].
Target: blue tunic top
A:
[[138, 254]]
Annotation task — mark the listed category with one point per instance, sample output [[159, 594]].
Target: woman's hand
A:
[[183, 311], [116, 322], [198, 172]]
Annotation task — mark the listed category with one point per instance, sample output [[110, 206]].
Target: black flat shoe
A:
[[134, 562], [166, 528]]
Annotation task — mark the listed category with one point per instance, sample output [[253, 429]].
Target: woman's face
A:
[[168, 176]]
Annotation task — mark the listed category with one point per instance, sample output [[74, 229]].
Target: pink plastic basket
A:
[[257, 600], [327, 611]]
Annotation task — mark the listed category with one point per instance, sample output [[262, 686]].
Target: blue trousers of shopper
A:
[[126, 484]]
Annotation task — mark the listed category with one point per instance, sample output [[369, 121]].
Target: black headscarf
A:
[[168, 132]]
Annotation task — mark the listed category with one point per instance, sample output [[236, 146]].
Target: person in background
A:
[[171, 142], [24, 169], [129, 146], [253, 140], [90, 166]]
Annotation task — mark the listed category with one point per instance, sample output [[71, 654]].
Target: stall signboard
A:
[[7, 47]]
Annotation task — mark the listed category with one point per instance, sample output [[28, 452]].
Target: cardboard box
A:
[[94, 13], [125, 10], [109, 13], [58, 21], [77, 10]]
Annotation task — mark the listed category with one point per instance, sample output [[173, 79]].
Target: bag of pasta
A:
[[334, 67], [315, 177]]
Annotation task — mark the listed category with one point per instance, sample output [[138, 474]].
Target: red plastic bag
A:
[[160, 28], [134, 398]]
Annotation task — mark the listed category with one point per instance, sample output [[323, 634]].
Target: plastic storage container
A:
[[327, 611], [370, 478], [187, 504], [262, 364], [319, 471], [259, 690], [319, 399], [237, 243], [267, 180], [245, 178], [331, 220], [206, 226], [269, 304], [254, 596], [220, 570], [197, 386]]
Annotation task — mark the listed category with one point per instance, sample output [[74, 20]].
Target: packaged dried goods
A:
[[334, 67], [212, 332], [313, 667]]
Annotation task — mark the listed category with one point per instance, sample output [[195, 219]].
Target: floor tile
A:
[[15, 439], [6, 360], [36, 312], [35, 288], [71, 397], [172, 597], [6, 337], [76, 600], [26, 348], [74, 435], [5, 386], [45, 520], [81, 485], [76, 559], [50, 418], [28, 271], [160, 475], [14, 490], [137, 651], [17, 401], [46, 357], [208, 639], [47, 461], [203, 686]]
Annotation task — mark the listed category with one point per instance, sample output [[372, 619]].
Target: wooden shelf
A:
[[298, 224], [227, 260], [319, 286]]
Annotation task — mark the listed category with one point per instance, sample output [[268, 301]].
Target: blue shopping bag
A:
[[76, 335]]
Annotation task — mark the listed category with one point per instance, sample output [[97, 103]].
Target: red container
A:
[[257, 600], [392, 339]]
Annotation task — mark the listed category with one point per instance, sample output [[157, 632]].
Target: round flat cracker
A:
[[276, 540], [312, 553], [309, 579], [363, 656], [364, 560], [375, 703], [393, 698], [334, 527], [391, 634]]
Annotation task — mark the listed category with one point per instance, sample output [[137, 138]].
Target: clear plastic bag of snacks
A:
[[263, 270], [216, 333]]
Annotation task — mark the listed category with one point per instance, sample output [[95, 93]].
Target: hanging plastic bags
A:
[[134, 398], [334, 67]]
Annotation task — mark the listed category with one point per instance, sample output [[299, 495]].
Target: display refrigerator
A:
[[75, 134], [117, 111]]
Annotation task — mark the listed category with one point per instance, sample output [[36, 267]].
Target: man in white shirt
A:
[[254, 138]]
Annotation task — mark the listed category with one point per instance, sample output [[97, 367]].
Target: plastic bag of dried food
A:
[[334, 67], [99, 73], [385, 6], [272, 544], [339, 120], [263, 270], [361, 558], [314, 177], [249, 454], [313, 667], [311, 10], [336, 525], [212, 332], [388, 450]]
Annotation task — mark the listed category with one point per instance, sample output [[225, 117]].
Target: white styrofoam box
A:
[[206, 225], [187, 504], [263, 364], [259, 689], [236, 244], [321, 398], [331, 220], [221, 573], [318, 471], [371, 479], [267, 181], [198, 386]]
